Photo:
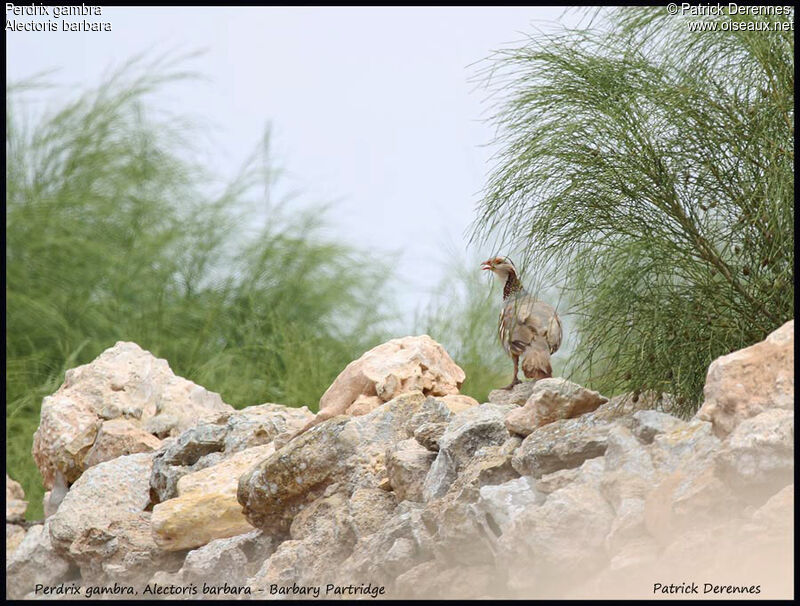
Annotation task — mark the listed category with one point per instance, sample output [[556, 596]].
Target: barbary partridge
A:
[[529, 329]]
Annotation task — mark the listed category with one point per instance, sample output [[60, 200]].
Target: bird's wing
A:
[[554, 333], [525, 319]]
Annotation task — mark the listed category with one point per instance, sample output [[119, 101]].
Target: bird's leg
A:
[[515, 380]]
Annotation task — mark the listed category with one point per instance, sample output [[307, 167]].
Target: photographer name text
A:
[[717, 10]]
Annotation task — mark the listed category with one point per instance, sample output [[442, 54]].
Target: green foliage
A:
[[650, 169], [112, 234]]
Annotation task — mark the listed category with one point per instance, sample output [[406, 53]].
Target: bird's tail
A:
[[535, 362]]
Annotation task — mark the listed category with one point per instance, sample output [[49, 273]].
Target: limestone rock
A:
[[621, 408], [758, 456], [434, 415], [346, 450], [428, 495], [689, 500], [128, 386], [363, 404], [502, 503], [629, 472], [209, 444], [400, 543], [775, 518], [465, 434], [628, 527], [688, 447], [102, 524], [550, 482], [552, 400], [647, 424], [206, 507], [634, 555], [561, 445], [687, 491], [430, 434], [369, 509], [14, 536], [407, 464], [322, 537], [463, 535], [34, 561], [395, 367], [517, 395], [15, 501], [458, 402], [286, 566], [472, 429], [52, 498], [278, 488], [230, 560], [565, 537], [119, 436], [224, 476], [747, 382], [195, 449]]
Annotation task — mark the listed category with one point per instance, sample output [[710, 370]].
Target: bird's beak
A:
[[486, 265]]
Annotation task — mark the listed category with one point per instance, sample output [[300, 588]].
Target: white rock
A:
[[749, 381], [15, 501], [112, 407], [34, 561]]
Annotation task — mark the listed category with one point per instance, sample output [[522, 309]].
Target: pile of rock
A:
[[400, 483], [16, 505]]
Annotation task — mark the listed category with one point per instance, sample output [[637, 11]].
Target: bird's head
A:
[[502, 267]]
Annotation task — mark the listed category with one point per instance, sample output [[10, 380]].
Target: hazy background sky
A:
[[376, 109]]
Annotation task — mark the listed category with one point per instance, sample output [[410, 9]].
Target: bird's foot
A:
[[511, 385]]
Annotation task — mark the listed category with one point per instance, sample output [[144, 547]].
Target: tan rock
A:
[[369, 509], [206, 508], [467, 432], [346, 450], [458, 402], [429, 435], [15, 501], [363, 405], [322, 535], [33, 562], [552, 400], [102, 524], [14, 536], [747, 382], [208, 444], [517, 395], [232, 561], [565, 536], [776, 516], [393, 368], [125, 386], [407, 464], [521, 421], [757, 458], [119, 437], [558, 479], [197, 518], [225, 475], [564, 444]]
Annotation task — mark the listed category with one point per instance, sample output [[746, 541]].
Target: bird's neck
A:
[[512, 286]]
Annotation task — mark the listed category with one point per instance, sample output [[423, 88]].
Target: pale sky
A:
[[376, 109]]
